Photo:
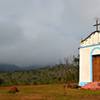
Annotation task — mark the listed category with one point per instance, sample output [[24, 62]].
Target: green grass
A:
[[48, 92]]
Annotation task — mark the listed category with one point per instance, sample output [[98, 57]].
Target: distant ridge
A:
[[12, 68]]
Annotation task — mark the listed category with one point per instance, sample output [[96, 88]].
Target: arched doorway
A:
[[95, 65], [96, 68]]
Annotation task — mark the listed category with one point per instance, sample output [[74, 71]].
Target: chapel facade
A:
[[89, 66]]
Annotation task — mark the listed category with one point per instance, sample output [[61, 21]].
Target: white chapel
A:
[[89, 68]]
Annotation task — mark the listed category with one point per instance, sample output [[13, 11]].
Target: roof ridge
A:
[[89, 36]]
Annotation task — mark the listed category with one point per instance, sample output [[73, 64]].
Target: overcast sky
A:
[[42, 32]]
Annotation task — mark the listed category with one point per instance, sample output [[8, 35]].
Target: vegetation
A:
[[60, 73], [13, 90]]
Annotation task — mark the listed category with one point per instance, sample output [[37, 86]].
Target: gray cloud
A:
[[43, 31], [10, 33]]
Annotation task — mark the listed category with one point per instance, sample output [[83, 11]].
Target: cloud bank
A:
[[42, 32]]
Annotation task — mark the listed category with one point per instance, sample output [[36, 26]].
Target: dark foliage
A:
[[13, 90], [72, 85], [60, 73]]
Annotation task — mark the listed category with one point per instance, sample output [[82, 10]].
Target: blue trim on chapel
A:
[[89, 45], [83, 83]]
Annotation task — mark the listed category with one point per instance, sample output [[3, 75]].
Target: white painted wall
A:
[[84, 69]]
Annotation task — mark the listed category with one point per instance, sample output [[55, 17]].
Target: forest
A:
[[58, 73]]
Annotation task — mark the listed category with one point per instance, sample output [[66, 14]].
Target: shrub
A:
[[13, 90], [72, 85]]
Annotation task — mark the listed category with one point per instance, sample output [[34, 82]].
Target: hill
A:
[[47, 75], [13, 68], [59, 73], [8, 68]]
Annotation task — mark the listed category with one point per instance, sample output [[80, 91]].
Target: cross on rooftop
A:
[[97, 24]]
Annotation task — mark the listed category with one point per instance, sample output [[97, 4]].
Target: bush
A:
[[72, 85], [13, 90]]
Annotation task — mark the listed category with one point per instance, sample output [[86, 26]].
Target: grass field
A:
[[48, 92]]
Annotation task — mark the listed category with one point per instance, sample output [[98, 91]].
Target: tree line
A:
[[59, 73]]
